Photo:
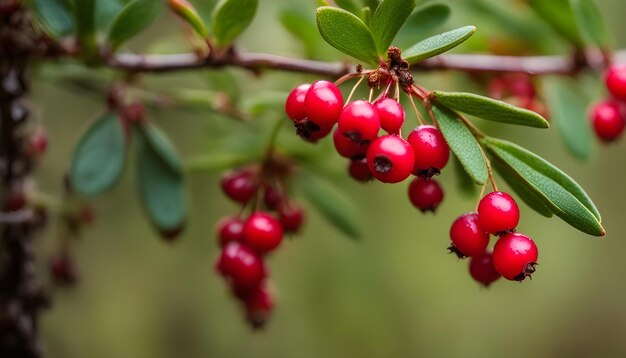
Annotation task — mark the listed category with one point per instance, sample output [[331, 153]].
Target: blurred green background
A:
[[395, 294]]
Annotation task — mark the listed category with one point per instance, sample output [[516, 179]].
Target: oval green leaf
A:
[[134, 17], [54, 15], [161, 144], [489, 109], [332, 204], [422, 22], [99, 158], [559, 15], [106, 12], [462, 143], [230, 18], [590, 22], [568, 109], [387, 21], [188, 13], [520, 188], [84, 17], [301, 27], [438, 44], [464, 182], [347, 33], [161, 189], [559, 192]]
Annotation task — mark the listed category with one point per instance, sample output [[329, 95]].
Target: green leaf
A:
[[332, 204], [489, 109], [188, 13], [134, 17], [348, 5], [462, 143], [464, 181], [231, 18], [55, 15], [590, 22], [425, 19], [162, 146], [438, 44], [106, 10], [522, 190], [568, 110], [99, 158], [300, 26], [387, 21], [559, 15], [84, 17], [372, 4], [557, 190], [347, 33], [161, 189]]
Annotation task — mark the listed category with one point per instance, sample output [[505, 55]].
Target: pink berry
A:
[[498, 213], [425, 194], [291, 217], [515, 256], [607, 120], [242, 265], [294, 105], [359, 170], [615, 80], [262, 232], [359, 121], [239, 185], [390, 159], [431, 150], [482, 270], [230, 229], [391, 114], [259, 305], [323, 103], [468, 239]]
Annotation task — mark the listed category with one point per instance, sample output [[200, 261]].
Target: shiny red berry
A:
[[359, 121], [515, 256], [425, 194], [242, 265], [294, 105], [359, 170], [468, 239], [498, 213], [431, 150], [323, 103], [310, 131], [239, 185], [390, 159], [391, 114], [482, 269], [347, 148], [607, 120], [291, 217], [230, 229], [615, 80], [262, 232], [259, 305]]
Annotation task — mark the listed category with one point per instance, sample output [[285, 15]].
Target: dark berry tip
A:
[[453, 250], [382, 164], [355, 137], [428, 173], [528, 271]]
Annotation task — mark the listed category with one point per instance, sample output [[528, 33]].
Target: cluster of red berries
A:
[[514, 255], [609, 116], [246, 242], [389, 158]]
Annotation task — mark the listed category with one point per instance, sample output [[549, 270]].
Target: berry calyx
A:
[[322, 132], [515, 256], [242, 265], [498, 213], [359, 122], [230, 229], [294, 105], [482, 269], [262, 232], [323, 103], [607, 120], [615, 80], [347, 148], [431, 150], [425, 194], [239, 185], [391, 114], [291, 217], [360, 171], [468, 238], [390, 159]]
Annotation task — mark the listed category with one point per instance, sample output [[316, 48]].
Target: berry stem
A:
[[482, 192], [341, 80], [417, 113], [353, 90]]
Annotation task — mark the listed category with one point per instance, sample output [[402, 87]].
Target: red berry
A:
[[520, 85], [239, 185], [359, 121], [63, 269], [482, 270], [294, 105], [359, 170], [468, 239], [615, 80], [607, 120], [431, 150], [38, 143], [242, 265], [134, 113], [498, 213], [310, 131], [319, 134], [262, 232], [291, 217], [515, 256], [259, 305], [15, 202], [272, 198], [347, 148], [425, 194], [390, 159], [323, 103], [230, 229], [391, 114]]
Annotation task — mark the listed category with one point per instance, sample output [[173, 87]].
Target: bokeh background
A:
[[395, 294]]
